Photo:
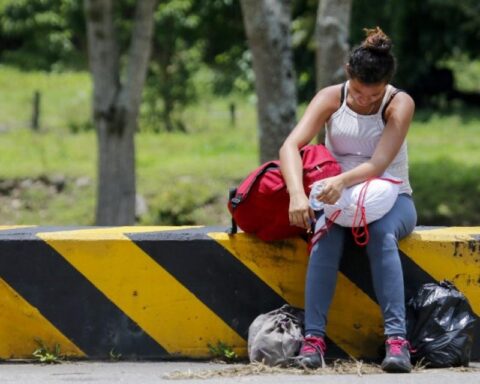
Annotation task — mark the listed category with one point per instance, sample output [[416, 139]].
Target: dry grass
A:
[[337, 367]]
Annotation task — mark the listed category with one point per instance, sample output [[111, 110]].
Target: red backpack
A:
[[260, 203]]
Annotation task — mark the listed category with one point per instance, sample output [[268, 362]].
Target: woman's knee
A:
[[382, 236], [397, 223]]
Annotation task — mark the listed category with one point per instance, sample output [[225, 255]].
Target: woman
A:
[[366, 121]]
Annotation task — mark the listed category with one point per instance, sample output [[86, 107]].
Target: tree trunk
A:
[[331, 35], [267, 25], [116, 105]]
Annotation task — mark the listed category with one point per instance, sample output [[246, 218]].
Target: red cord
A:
[[322, 230], [360, 231], [357, 230]]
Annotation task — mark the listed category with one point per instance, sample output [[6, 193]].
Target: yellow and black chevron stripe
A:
[[158, 292]]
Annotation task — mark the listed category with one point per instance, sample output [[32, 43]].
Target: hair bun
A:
[[377, 40]]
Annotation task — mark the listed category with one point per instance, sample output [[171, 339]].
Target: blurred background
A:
[[146, 112]]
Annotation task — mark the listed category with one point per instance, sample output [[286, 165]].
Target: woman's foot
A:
[[311, 353], [397, 357]]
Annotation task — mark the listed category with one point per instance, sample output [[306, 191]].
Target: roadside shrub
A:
[[179, 203]]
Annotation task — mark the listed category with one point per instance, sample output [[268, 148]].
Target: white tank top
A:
[[352, 139]]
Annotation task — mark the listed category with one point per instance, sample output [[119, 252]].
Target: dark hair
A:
[[372, 62]]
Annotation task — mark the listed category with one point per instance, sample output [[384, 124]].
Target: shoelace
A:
[[312, 345], [396, 346]]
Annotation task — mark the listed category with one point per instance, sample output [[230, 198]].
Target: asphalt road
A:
[[158, 372]]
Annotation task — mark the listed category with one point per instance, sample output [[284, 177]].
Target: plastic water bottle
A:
[[317, 188]]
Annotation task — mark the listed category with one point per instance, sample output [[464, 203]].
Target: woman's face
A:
[[365, 95]]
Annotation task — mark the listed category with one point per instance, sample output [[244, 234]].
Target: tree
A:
[[331, 35], [267, 25], [116, 103]]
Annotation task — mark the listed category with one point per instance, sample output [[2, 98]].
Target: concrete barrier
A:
[[165, 292]]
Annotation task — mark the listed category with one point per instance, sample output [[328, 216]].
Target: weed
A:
[[222, 351], [114, 356], [45, 355]]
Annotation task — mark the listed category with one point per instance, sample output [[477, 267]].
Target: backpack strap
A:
[[238, 196], [343, 93], [234, 228], [235, 197], [397, 90]]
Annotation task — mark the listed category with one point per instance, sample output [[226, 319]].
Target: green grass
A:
[[452, 135], [185, 178], [192, 170], [65, 98]]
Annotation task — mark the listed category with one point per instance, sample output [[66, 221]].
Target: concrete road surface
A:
[[191, 373]]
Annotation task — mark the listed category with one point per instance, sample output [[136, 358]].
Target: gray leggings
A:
[[382, 250]]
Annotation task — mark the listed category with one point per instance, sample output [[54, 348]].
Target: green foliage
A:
[[194, 40], [304, 45], [222, 351], [192, 34], [42, 34], [424, 32], [175, 58], [467, 72], [44, 354], [176, 205], [224, 45]]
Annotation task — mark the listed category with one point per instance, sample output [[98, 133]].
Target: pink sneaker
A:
[[397, 357], [312, 352]]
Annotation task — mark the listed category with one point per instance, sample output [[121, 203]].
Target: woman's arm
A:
[[317, 113], [399, 116]]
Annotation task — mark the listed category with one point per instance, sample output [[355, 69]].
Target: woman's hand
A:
[[300, 213], [332, 189]]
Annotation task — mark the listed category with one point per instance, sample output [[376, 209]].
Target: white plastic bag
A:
[[360, 204]]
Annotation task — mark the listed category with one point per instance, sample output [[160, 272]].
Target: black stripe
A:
[[355, 266], [69, 301], [214, 276]]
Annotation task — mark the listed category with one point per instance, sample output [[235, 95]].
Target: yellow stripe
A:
[[7, 227], [450, 253], [448, 234], [355, 321], [21, 324], [143, 290]]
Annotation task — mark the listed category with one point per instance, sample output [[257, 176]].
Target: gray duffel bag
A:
[[274, 338]]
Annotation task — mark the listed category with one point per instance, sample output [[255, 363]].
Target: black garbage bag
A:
[[440, 326]]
